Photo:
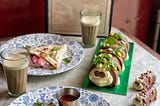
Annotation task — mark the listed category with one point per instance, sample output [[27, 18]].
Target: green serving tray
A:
[[124, 76]]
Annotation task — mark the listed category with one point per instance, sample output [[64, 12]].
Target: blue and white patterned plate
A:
[[47, 95], [75, 52]]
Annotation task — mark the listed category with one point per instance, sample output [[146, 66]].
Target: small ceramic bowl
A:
[[68, 96]]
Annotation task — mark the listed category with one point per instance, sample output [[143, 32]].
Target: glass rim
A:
[[19, 48], [89, 9]]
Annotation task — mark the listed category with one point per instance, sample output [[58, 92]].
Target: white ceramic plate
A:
[[75, 52], [47, 95]]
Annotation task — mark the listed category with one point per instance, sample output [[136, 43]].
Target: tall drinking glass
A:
[[15, 63], [90, 22]]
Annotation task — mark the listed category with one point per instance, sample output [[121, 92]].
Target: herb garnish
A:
[[50, 55], [55, 49], [112, 39], [117, 36], [38, 104], [109, 41], [27, 47], [105, 60], [101, 58], [118, 51], [66, 60], [110, 64], [43, 104]]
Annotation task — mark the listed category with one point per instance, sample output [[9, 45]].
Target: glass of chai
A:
[[90, 22], [15, 63]]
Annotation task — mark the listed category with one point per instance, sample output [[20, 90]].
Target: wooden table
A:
[[143, 59]]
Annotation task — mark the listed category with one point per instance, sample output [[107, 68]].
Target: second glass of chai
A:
[[15, 63], [90, 22]]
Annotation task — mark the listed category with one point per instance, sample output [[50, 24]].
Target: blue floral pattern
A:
[[75, 50], [47, 94]]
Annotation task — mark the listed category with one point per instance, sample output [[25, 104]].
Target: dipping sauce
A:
[[67, 98]]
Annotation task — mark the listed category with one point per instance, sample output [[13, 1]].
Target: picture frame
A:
[[64, 15]]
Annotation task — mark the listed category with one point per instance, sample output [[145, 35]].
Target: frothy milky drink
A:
[[90, 27], [90, 21], [15, 68]]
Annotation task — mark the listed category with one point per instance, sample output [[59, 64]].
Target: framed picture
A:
[[64, 15]]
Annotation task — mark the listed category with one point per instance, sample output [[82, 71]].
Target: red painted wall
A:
[[125, 15], [146, 23], [19, 17], [137, 17]]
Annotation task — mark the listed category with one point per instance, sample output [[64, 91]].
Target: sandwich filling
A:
[[47, 56]]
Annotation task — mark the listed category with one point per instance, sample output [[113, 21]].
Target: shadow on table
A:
[[4, 94]]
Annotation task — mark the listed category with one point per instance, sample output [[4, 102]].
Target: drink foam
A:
[[90, 20], [16, 62]]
